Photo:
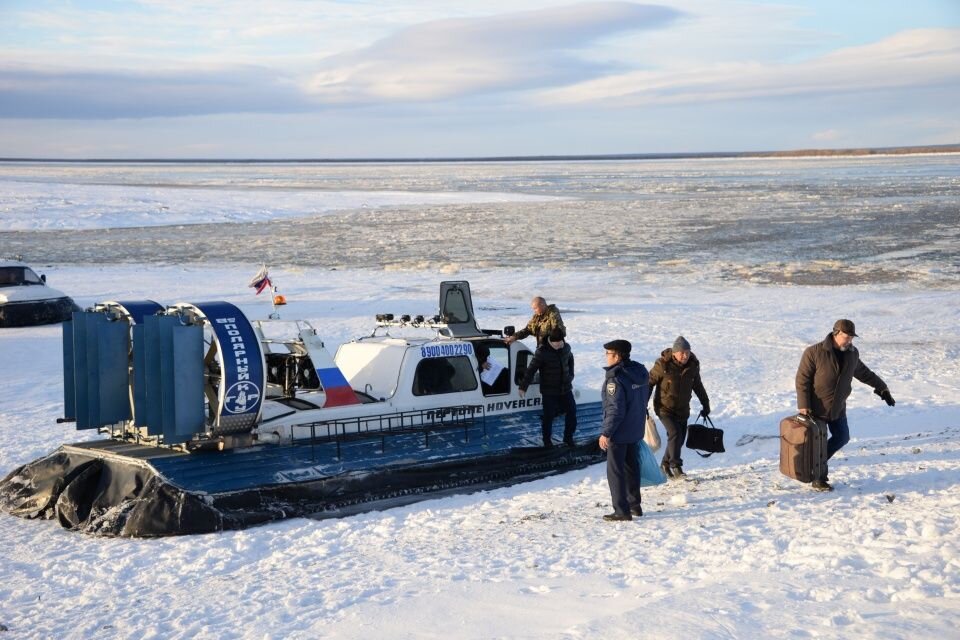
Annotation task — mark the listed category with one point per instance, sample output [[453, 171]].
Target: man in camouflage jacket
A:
[[546, 318]]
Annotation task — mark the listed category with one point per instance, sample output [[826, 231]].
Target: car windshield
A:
[[18, 275]]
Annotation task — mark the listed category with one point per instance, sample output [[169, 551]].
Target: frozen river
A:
[[866, 220]]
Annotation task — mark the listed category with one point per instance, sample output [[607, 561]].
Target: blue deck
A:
[[265, 465]]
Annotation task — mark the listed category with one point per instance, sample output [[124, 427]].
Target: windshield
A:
[[18, 275]]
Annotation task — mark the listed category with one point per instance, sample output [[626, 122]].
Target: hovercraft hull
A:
[[116, 488]]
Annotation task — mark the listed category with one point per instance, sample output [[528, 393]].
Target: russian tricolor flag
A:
[[261, 281]]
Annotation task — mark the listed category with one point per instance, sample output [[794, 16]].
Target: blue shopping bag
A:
[[650, 473]]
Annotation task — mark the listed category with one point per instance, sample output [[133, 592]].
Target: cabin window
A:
[[494, 380], [444, 375], [455, 307]]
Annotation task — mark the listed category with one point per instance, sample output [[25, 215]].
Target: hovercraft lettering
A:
[[238, 346], [513, 404], [454, 412], [243, 395], [446, 350]]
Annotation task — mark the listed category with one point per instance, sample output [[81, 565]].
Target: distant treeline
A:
[[796, 153]]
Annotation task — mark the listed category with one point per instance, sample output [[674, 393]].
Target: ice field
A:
[[737, 551]]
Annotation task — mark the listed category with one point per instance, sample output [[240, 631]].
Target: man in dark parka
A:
[[625, 393], [825, 380], [675, 376], [554, 361]]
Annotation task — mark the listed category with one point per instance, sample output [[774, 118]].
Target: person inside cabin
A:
[[485, 364], [435, 375]]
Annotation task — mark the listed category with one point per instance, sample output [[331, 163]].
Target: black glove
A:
[[705, 412], [885, 395]]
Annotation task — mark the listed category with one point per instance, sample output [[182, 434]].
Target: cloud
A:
[[64, 94], [447, 59], [913, 58], [436, 60]]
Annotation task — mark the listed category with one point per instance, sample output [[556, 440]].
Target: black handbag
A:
[[701, 437]]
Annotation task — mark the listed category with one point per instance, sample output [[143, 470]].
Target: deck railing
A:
[[387, 425]]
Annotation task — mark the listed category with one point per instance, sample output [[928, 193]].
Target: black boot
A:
[[616, 517], [665, 467], [821, 485], [677, 472]]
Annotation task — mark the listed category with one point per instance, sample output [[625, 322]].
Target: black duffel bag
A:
[[701, 437]]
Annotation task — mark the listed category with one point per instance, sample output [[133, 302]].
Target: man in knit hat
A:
[[825, 380], [676, 376], [554, 361]]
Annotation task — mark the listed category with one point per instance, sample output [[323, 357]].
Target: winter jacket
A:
[[541, 324], [824, 384], [555, 367], [675, 384], [625, 393]]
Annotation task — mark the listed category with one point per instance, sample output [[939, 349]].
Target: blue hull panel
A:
[[265, 465]]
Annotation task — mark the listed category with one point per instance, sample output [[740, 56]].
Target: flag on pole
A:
[[261, 281]]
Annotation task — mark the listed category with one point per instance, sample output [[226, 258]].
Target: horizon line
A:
[[813, 152]]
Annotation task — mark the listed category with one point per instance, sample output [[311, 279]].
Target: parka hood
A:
[[632, 370]]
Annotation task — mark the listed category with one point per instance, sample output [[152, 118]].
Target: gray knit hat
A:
[[680, 344]]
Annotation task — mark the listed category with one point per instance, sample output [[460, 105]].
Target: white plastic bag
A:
[[651, 436]]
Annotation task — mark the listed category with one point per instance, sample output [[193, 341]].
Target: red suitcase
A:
[[803, 448]]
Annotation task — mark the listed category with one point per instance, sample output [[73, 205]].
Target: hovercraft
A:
[[216, 422], [26, 300]]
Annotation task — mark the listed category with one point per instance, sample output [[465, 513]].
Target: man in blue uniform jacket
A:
[[626, 390]]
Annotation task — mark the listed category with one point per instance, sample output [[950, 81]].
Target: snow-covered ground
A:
[[738, 551]]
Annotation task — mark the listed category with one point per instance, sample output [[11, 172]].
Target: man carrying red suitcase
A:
[[824, 382]]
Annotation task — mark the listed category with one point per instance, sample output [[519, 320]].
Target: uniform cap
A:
[[846, 326], [620, 346]]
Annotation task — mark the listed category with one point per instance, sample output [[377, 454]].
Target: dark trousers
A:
[[839, 435], [676, 435], [623, 476], [554, 405]]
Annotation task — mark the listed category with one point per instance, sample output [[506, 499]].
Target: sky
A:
[[353, 78]]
